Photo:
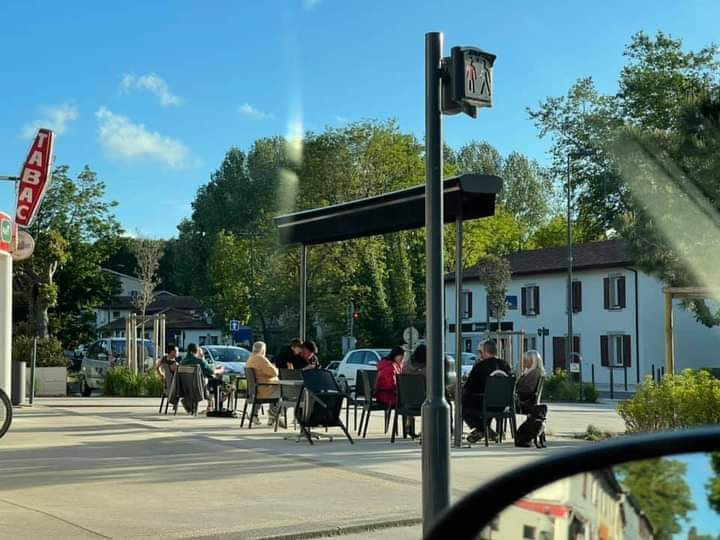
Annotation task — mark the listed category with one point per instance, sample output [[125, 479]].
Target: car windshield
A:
[[119, 348], [229, 354]]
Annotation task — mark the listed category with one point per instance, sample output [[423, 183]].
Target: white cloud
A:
[[124, 139], [249, 111], [55, 117], [341, 119], [154, 84], [310, 4]]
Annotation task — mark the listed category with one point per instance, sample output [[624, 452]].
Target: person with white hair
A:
[[265, 373], [529, 379]]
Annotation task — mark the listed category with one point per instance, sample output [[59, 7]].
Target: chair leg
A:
[[277, 420], [367, 421], [307, 434], [362, 422], [162, 402], [242, 422], [395, 428], [167, 404], [346, 433], [253, 411], [388, 414], [487, 427], [355, 420]]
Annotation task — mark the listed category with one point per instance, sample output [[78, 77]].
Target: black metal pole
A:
[[458, 324], [543, 345], [303, 292], [592, 373], [625, 370], [32, 370], [570, 344], [612, 384], [435, 411]]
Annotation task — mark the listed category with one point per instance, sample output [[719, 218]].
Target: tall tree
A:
[[660, 488], [713, 484], [494, 274], [147, 256], [74, 223]]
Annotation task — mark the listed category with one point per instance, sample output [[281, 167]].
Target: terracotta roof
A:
[[610, 253]]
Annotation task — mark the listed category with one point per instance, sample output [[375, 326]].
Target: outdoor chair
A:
[[167, 386], [410, 397], [499, 403], [187, 385], [252, 398], [523, 407], [370, 404], [289, 395], [355, 397], [320, 404]]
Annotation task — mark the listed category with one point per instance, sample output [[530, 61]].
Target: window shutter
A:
[[576, 344], [604, 357], [523, 295], [469, 305], [558, 353], [606, 292], [621, 292], [627, 351], [577, 296], [536, 293]]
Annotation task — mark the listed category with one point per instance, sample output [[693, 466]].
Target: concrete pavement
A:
[[113, 468]]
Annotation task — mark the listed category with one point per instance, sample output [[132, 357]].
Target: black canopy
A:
[[468, 196]]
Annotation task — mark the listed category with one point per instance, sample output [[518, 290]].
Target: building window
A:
[[576, 297], [467, 304], [530, 343], [616, 350], [528, 532], [116, 315], [614, 292], [530, 300]]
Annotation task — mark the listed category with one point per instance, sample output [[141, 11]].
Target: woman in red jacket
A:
[[386, 382]]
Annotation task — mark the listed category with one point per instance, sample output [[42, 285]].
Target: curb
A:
[[350, 529]]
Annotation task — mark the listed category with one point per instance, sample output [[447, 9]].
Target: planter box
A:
[[49, 381]]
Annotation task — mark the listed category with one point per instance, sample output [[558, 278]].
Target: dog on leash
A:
[[532, 431]]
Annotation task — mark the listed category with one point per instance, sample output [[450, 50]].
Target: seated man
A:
[[308, 357], [289, 356], [194, 357], [265, 373], [488, 366]]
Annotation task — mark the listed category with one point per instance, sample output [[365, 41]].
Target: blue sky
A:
[[704, 518], [152, 94]]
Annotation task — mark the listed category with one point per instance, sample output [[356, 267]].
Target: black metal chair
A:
[[320, 404], [370, 404], [410, 398], [289, 395], [355, 397], [187, 385], [252, 397], [499, 403], [167, 386]]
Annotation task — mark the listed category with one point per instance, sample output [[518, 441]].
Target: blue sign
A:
[[511, 301], [234, 326], [242, 335]]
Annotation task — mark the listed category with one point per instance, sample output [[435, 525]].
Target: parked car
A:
[[468, 361], [234, 358], [333, 367], [104, 354], [368, 359]]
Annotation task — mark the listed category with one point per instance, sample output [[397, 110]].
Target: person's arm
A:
[[158, 368], [266, 370], [206, 369]]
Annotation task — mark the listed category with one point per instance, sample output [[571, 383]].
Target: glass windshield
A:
[[229, 354]]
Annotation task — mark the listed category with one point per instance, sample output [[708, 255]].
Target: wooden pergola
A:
[[685, 293]]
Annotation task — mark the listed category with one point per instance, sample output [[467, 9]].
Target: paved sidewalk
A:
[[102, 467]]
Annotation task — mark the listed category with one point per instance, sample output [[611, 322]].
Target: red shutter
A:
[[577, 296], [604, 359], [469, 305], [621, 292], [576, 344], [559, 353], [627, 351], [536, 293], [606, 293], [523, 295]]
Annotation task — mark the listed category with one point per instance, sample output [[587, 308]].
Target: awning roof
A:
[[390, 212]]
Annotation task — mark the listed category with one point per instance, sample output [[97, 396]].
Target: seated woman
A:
[[386, 381], [527, 384], [417, 361]]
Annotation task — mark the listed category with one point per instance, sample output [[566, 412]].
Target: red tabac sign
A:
[[34, 178]]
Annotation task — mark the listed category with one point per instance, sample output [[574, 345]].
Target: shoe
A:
[[282, 423], [271, 422], [475, 436]]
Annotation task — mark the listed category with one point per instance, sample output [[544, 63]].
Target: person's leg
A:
[[274, 409]]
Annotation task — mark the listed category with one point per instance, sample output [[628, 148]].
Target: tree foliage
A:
[[494, 274], [661, 491]]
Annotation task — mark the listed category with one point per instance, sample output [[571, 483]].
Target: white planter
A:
[[49, 381]]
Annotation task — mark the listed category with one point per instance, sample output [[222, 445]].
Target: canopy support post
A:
[[458, 324], [303, 292]]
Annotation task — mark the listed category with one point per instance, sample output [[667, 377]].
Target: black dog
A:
[[532, 431]]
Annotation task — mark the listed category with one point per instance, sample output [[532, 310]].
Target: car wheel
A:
[[85, 389]]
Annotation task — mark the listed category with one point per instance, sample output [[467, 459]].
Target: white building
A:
[[618, 311]]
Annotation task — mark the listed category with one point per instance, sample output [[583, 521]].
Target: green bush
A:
[[120, 381], [691, 398], [558, 387], [49, 351]]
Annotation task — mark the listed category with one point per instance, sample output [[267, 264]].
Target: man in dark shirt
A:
[[308, 356], [290, 356], [489, 366]]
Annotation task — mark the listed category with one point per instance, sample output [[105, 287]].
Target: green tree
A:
[[713, 484], [494, 274], [660, 488], [72, 232], [479, 157]]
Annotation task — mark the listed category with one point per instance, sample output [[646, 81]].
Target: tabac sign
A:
[[34, 177]]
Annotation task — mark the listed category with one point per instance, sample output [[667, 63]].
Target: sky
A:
[[151, 95], [703, 518]]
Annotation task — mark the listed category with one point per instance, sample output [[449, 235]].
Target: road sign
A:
[[5, 232], [24, 245], [471, 76], [543, 331], [35, 177], [234, 326], [574, 367], [411, 336]]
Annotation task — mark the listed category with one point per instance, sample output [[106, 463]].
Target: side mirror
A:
[[601, 491], [372, 363]]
